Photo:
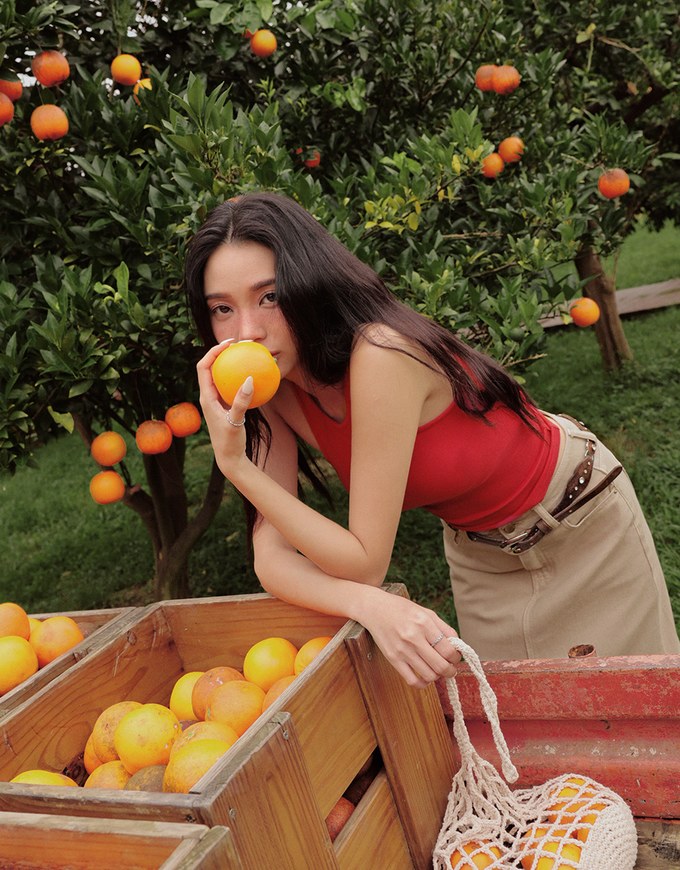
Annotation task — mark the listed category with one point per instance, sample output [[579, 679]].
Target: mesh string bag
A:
[[570, 821]]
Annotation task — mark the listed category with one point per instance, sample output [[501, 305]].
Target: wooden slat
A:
[[414, 743], [373, 836], [658, 844], [270, 805], [214, 851]]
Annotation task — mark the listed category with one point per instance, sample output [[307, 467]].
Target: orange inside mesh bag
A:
[[570, 821]]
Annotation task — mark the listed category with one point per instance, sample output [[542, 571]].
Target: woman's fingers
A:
[[241, 403]]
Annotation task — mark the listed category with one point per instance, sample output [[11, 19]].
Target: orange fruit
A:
[[309, 651], [55, 636], [12, 88], [90, 758], [108, 448], [313, 161], [263, 43], [43, 777], [18, 662], [143, 84], [236, 362], [6, 109], [204, 731], [183, 419], [107, 487], [268, 660], [34, 623], [492, 165], [191, 762], [484, 76], [112, 774], [505, 79], [180, 697], [560, 846], [105, 727], [585, 311], [144, 736], [126, 69], [49, 122], [588, 820], [205, 684], [339, 816], [613, 183], [237, 703], [478, 855], [147, 779], [564, 811], [14, 620], [153, 436], [511, 149], [277, 689], [50, 68]]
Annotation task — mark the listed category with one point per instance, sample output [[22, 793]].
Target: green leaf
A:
[[64, 420]]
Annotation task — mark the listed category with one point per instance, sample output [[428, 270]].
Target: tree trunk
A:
[[614, 346]]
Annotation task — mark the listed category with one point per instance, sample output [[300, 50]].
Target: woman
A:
[[543, 534]]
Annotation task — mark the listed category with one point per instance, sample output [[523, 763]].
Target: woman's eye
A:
[[270, 297], [219, 309]]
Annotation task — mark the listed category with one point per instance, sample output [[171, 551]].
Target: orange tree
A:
[[369, 115]]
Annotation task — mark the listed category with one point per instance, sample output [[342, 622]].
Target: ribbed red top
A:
[[473, 475]]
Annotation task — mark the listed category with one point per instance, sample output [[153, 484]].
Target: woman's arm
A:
[[388, 390]]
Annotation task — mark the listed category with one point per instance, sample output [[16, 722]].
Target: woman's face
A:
[[240, 293]]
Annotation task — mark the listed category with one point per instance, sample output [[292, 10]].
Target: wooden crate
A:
[[277, 784], [37, 840], [96, 625]]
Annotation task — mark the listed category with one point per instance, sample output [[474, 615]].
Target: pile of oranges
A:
[[27, 643], [151, 437], [169, 747]]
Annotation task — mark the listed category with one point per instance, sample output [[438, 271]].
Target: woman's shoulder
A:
[[379, 338]]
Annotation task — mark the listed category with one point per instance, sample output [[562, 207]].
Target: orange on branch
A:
[[55, 636], [108, 448], [492, 165], [183, 419], [142, 84], [153, 436], [18, 662], [107, 487], [126, 69], [511, 149], [484, 76], [49, 122], [506, 79], [11, 87], [613, 183], [6, 109], [263, 43], [241, 359], [585, 311], [50, 68]]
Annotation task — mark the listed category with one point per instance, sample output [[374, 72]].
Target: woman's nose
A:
[[251, 327]]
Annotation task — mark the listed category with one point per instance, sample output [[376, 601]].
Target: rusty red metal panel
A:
[[614, 719]]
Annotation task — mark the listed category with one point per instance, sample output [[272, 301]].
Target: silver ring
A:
[[237, 425], [437, 639]]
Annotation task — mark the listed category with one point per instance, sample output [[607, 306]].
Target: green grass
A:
[[63, 552], [646, 257]]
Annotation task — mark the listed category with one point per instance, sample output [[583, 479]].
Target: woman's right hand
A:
[[411, 637]]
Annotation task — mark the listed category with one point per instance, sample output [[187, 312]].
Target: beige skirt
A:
[[594, 579]]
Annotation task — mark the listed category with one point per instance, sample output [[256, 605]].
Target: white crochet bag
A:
[[571, 821]]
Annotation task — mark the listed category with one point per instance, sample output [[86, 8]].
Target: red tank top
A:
[[473, 475]]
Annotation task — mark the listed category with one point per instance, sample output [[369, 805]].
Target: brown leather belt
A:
[[569, 503]]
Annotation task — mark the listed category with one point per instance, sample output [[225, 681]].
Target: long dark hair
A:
[[328, 297]]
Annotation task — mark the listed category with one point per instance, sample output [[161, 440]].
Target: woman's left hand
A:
[[226, 425]]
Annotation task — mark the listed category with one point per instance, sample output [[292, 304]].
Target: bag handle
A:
[[490, 705]]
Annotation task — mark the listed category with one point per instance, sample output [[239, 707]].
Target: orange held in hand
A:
[[585, 312], [241, 359], [50, 68], [49, 122], [108, 448], [613, 183], [126, 69], [263, 43]]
